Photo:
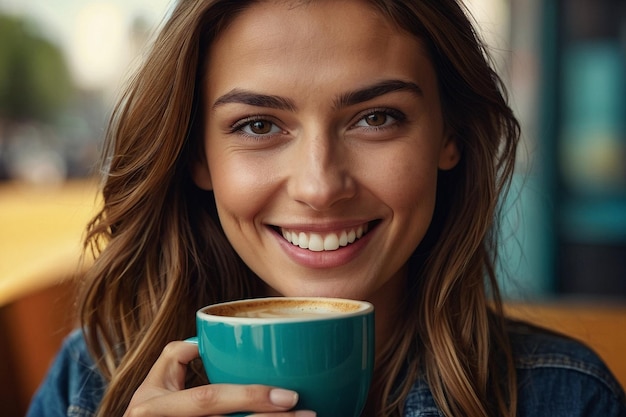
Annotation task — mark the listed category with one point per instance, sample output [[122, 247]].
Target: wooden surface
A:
[[41, 231], [31, 332]]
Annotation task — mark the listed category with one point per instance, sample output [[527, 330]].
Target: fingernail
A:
[[304, 413], [283, 398]]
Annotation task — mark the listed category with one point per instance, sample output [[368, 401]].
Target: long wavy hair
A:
[[161, 253]]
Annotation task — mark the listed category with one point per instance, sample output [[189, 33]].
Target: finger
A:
[[170, 368], [219, 399]]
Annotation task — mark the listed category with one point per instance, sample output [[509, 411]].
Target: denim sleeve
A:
[[560, 377], [566, 392], [73, 387]]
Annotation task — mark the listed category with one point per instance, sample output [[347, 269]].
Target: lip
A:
[[325, 259]]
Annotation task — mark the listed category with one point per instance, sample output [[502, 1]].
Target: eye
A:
[[261, 127], [379, 119], [257, 127], [375, 119]]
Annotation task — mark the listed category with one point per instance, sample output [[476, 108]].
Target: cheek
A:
[[406, 179], [412, 189], [240, 187]]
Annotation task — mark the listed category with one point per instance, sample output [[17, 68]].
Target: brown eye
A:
[[376, 119], [261, 127], [258, 127]]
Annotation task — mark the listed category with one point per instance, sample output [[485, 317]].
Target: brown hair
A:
[[161, 252]]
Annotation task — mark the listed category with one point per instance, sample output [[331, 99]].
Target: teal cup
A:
[[322, 348]]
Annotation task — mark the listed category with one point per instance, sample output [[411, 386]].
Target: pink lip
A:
[[324, 259]]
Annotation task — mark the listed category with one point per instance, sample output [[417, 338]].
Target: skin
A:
[[320, 118]]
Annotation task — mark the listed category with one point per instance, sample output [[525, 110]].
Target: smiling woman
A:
[[286, 156], [353, 149]]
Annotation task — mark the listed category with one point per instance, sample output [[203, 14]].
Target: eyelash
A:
[[397, 115], [238, 126]]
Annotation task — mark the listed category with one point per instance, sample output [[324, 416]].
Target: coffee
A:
[[322, 348], [294, 312], [284, 308]]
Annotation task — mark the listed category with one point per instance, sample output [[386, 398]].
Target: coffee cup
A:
[[322, 348]]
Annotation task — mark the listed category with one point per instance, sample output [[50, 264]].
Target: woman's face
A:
[[323, 139]]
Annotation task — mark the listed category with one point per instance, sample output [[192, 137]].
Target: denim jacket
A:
[[557, 377]]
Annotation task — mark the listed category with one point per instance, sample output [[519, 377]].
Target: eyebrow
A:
[[376, 90], [255, 99], [344, 100]]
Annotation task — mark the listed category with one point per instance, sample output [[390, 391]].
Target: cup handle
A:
[[192, 340]]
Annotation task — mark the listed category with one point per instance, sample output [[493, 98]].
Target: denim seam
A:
[[567, 363]]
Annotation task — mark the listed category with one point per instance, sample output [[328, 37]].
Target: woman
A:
[[352, 149]]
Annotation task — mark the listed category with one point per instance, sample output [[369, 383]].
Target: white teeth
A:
[[332, 241], [351, 236], [316, 243], [302, 240], [343, 239]]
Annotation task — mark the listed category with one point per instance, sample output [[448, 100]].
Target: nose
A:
[[321, 172]]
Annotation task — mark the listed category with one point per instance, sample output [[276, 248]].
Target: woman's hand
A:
[[163, 392]]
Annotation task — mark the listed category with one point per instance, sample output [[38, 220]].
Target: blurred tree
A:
[[35, 82]]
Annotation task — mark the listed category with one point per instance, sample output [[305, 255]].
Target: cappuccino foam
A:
[[284, 308], [285, 312]]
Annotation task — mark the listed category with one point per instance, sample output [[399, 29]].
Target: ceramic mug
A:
[[322, 348]]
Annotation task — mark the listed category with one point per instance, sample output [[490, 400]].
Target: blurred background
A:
[[62, 63]]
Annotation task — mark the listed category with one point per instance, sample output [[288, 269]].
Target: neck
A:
[[389, 303]]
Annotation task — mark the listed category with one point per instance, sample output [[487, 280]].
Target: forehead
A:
[[283, 16], [314, 42], [275, 13], [305, 23]]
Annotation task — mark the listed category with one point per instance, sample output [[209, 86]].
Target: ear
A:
[[450, 153], [201, 174]]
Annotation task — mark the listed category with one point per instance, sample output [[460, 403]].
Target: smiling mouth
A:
[[328, 241]]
